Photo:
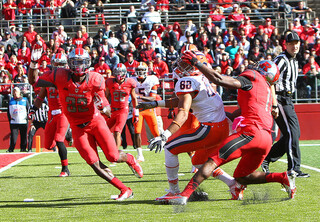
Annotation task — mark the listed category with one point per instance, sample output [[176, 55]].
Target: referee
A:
[[287, 120], [40, 118]]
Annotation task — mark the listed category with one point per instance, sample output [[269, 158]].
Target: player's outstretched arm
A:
[[168, 103], [213, 76], [36, 54]]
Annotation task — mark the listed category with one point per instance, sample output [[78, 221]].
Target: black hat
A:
[[292, 36], [7, 33]]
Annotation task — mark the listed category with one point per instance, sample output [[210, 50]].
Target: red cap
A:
[[111, 50], [101, 59], [268, 19], [169, 27], [261, 27], [130, 54], [148, 42], [19, 62], [246, 18]]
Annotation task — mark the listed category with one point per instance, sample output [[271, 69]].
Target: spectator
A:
[[131, 17], [311, 62], [203, 41], [24, 58], [229, 32], [208, 53], [84, 10], [102, 68], [46, 56], [8, 10], [259, 34], [3, 62], [245, 44], [15, 35], [7, 40], [302, 12], [218, 53], [249, 29], [30, 34], [158, 28], [145, 4], [10, 51], [177, 6], [236, 16], [192, 28], [11, 65], [238, 58], [79, 40], [24, 12], [308, 36], [61, 33], [259, 6], [137, 32], [209, 27], [94, 57], [170, 38], [38, 10], [20, 72], [123, 30], [112, 59], [171, 56], [155, 42], [107, 29], [151, 17], [112, 41], [68, 46], [147, 54], [255, 55], [91, 44], [297, 27], [160, 67], [268, 28], [68, 10], [39, 40], [177, 30], [226, 5], [123, 48], [131, 65], [185, 39], [232, 49], [100, 12], [52, 10], [84, 32], [216, 14], [43, 67], [18, 119], [224, 63], [266, 45]]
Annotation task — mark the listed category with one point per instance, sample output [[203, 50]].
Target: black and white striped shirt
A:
[[288, 67], [42, 113]]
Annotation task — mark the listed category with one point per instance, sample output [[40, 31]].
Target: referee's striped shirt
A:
[[288, 67], [41, 114]]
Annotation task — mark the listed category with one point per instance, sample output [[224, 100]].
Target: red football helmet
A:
[[189, 47], [120, 72], [183, 68], [269, 70], [79, 61], [59, 60], [142, 70]]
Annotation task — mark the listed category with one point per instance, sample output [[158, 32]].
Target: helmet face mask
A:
[[120, 72], [142, 71], [79, 61], [183, 68]]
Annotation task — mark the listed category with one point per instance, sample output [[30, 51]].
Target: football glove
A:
[[36, 53], [171, 113], [190, 57], [32, 113], [158, 142], [135, 115], [147, 105]]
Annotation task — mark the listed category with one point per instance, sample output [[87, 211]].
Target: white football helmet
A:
[[79, 61], [182, 68], [59, 60], [120, 72], [142, 70]]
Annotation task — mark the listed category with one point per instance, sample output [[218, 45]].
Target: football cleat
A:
[[164, 198], [265, 166], [236, 191], [289, 184], [64, 174], [125, 194], [136, 168], [177, 200]]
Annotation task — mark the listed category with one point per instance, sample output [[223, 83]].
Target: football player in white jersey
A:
[[194, 92], [146, 90]]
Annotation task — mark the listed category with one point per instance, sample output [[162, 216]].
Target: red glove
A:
[[190, 57]]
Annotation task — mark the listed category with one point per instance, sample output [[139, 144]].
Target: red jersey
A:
[[24, 59], [249, 30], [131, 67], [255, 104], [77, 99], [30, 36], [160, 68], [79, 42], [102, 69], [120, 92], [268, 29]]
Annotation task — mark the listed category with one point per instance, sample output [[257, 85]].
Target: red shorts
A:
[[55, 130], [250, 143], [117, 120], [95, 133], [205, 136]]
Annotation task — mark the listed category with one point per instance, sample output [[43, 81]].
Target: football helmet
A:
[[120, 72], [79, 61], [182, 68], [59, 60], [269, 70], [189, 47], [142, 70]]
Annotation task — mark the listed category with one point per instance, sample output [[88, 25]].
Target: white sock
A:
[[223, 176], [139, 151], [172, 169]]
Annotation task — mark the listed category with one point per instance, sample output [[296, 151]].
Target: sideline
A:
[[17, 162], [304, 166]]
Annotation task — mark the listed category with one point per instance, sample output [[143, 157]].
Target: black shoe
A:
[[265, 166], [22, 150], [9, 151], [302, 175], [30, 151]]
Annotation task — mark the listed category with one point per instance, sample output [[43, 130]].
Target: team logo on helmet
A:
[[79, 61], [269, 70], [59, 60]]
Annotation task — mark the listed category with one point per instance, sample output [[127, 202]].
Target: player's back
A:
[[207, 105], [256, 103]]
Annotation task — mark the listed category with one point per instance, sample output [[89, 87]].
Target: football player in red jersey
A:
[[57, 123], [120, 88], [252, 141], [77, 88]]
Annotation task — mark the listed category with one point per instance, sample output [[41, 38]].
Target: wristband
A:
[[161, 103], [34, 65], [198, 64], [175, 122], [166, 134]]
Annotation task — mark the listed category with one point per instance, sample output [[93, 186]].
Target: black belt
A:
[[285, 93], [83, 125]]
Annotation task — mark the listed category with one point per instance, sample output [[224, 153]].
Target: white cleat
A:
[[289, 184], [140, 158], [178, 200], [127, 194]]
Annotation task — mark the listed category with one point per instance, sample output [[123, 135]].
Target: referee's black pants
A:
[[15, 128], [37, 125], [288, 143], [130, 126]]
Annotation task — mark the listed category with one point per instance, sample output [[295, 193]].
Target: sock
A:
[[223, 176], [172, 169], [118, 184], [139, 151], [130, 159], [275, 177], [64, 162], [190, 188]]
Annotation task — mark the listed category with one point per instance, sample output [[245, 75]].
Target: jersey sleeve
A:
[[132, 82], [186, 85], [250, 74]]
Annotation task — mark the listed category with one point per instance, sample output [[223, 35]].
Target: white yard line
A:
[[17, 162], [304, 166]]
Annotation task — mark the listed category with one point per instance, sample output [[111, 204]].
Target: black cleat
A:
[[265, 166]]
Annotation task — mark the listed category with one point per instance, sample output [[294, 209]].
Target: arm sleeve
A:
[[246, 83]]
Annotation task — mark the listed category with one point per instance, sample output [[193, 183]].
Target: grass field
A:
[[85, 197]]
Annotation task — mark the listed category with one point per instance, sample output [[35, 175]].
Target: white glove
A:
[[159, 141], [36, 52]]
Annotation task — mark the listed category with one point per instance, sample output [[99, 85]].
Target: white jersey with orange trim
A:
[[207, 105], [146, 87]]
